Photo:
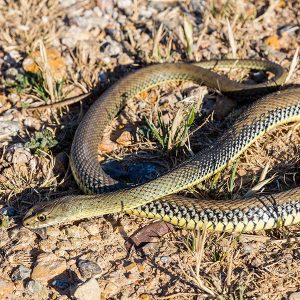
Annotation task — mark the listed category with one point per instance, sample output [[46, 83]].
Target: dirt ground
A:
[[53, 50]]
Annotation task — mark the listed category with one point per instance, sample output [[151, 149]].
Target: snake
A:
[[159, 198]]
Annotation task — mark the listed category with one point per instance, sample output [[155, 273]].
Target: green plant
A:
[[34, 83], [4, 222], [233, 176], [42, 141], [175, 134]]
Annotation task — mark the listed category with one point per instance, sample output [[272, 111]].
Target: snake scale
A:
[[157, 198]]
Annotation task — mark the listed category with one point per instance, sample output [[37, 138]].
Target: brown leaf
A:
[[125, 139], [148, 234]]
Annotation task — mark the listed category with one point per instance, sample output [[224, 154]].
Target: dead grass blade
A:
[[46, 72], [293, 66], [231, 39], [199, 253], [157, 38], [188, 32]]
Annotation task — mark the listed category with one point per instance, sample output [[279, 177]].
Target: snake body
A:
[[156, 198]]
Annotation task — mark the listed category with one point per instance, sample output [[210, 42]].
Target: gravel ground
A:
[[52, 50]]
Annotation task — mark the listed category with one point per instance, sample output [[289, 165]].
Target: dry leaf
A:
[[56, 63], [273, 42]]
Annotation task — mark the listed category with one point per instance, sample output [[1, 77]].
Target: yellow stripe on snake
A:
[[157, 198]]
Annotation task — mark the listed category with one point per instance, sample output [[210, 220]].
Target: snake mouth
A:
[[30, 220]]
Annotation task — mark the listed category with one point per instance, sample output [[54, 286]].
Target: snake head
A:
[[45, 214]]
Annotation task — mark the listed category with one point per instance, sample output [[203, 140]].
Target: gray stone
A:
[[14, 98], [21, 273], [34, 286], [8, 211], [17, 154], [165, 259], [8, 129], [123, 4], [88, 269], [11, 74], [88, 290]]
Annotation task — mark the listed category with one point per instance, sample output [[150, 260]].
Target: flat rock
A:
[[88, 290], [47, 267]]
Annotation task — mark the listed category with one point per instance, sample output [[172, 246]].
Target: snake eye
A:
[[41, 218]]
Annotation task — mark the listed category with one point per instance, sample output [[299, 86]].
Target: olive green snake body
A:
[[157, 198]]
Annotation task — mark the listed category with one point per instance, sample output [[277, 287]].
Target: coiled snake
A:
[[157, 198]]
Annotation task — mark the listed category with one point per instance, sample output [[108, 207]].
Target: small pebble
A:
[[10, 74], [14, 98], [8, 129], [125, 139], [33, 162], [92, 228], [8, 211], [12, 57], [47, 245], [124, 59], [76, 232], [53, 231], [76, 242], [17, 154], [151, 248], [88, 268], [165, 259], [34, 286], [123, 4], [88, 290], [32, 123], [113, 48], [64, 245], [21, 273]]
